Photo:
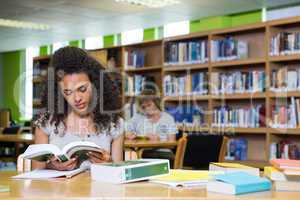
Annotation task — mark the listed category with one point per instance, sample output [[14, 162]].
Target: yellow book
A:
[[277, 175], [186, 178], [233, 167]]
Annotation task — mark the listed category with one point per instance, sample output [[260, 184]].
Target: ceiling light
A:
[[150, 3], [23, 24]]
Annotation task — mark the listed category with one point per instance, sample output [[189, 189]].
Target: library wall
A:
[[280, 13]]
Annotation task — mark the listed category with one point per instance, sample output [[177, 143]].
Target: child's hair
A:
[[73, 60], [149, 94]]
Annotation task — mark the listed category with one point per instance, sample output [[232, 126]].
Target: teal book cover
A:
[[244, 182]]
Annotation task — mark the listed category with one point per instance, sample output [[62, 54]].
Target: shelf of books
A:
[[243, 82]]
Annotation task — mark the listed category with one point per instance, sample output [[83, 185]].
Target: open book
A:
[[49, 173], [42, 152]]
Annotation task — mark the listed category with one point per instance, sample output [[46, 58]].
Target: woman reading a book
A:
[[151, 122], [82, 104]]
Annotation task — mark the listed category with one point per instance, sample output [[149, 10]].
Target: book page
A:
[[41, 152]]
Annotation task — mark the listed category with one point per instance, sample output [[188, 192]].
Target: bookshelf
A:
[[175, 57]]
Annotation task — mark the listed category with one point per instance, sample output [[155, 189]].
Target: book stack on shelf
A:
[[186, 52], [199, 83], [285, 79], [136, 83], [176, 85], [285, 43], [286, 114], [134, 59], [251, 116], [285, 149], [238, 82], [228, 49]]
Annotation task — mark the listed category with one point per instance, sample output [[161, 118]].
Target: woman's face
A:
[[77, 90], [149, 107]]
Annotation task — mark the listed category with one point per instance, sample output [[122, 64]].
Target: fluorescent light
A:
[[150, 3], [23, 24]]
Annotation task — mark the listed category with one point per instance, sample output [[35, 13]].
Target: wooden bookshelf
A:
[[258, 36]]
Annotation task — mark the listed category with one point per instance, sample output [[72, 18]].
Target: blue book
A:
[[238, 183]]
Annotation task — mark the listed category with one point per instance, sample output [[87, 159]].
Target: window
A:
[[132, 36], [26, 95], [177, 28], [94, 42], [59, 45]]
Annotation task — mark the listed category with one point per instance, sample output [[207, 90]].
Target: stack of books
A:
[[285, 43], [286, 115], [228, 49], [191, 52], [238, 82], [252, 116], [176, 85], [285, 174], [134, 59], [285, 79]]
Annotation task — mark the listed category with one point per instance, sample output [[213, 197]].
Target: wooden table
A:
[[82, 187], [140, 145]]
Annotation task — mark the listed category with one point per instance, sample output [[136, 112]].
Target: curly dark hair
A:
[[72, 60]]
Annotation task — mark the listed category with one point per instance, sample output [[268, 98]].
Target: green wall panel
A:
[[210, 23], [77, 43], [108, 40], [149, 34], [12, 64], [246, 18]]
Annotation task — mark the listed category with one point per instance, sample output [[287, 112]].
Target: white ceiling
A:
[[78, 19]]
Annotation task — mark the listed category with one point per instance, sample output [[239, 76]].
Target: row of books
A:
[[285, 43], [38, 72], [180, 85], [190, 52], [228, 49], [38, 89], [244, 117], [134, 58], [187, 114], [285, 79], [237, 149], [7, 151], [8, 166], [287, 115], [238, 82], [135, 84], [284, 149]]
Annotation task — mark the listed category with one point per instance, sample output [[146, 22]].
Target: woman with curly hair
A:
[[82, 105]]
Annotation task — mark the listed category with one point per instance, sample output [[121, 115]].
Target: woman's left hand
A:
[[97, 157]]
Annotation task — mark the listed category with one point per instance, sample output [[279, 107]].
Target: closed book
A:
[[129, 171], [287, 186], [238, 183], [283, 164], [233, 167], [274, 174]]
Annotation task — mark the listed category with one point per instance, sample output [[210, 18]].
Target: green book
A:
[[130, 171]]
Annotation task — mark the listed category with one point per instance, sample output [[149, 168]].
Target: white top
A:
[[141, 125], [62, 138]]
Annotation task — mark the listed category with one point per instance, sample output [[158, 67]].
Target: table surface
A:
[[82, 187]]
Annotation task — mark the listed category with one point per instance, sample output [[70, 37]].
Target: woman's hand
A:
[[97, 157], [130, 136], [54, 163], [153, 137]]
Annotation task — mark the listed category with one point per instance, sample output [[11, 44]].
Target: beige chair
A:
[[223, 149], [23, 165]]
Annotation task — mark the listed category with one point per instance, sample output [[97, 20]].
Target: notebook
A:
[[186, 178], [238, 183]]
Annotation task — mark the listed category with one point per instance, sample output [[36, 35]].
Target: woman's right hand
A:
[[54, 163], [130, 136]]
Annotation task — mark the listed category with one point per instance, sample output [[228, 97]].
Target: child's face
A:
[[149, 107], [77, 90]]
